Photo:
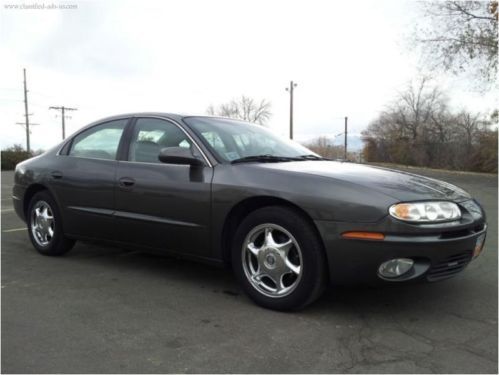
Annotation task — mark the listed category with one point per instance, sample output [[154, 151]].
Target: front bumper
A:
[[438, 253]]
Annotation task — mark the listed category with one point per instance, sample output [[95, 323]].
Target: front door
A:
[[164, 206]]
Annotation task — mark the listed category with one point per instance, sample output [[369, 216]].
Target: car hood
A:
[[402, 186]]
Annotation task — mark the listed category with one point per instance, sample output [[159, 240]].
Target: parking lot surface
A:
[[102, 309]]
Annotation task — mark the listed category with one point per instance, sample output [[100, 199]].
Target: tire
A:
[[286, 274], [46, 241]]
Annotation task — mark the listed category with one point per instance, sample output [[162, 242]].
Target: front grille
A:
[[449, 266]]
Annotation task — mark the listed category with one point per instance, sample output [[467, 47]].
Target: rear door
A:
[[84, 180], [160, 205]]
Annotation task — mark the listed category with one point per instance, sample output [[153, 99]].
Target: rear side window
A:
[[99, 142]]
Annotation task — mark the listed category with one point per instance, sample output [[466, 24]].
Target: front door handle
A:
[[126, 182], [56, 174]]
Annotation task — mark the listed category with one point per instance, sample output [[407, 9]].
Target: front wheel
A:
[[278, 258], [45, 227]]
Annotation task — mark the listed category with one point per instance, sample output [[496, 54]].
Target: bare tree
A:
[[462, 36], [415, 106], [324, 147], [469, 124], [417, 128], [407, 116], [243, 108]]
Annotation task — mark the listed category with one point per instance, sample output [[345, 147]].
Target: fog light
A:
[[395, 267]]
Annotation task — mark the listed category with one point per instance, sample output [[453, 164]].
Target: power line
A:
[[10, 100], [63, 116], [30, 124]]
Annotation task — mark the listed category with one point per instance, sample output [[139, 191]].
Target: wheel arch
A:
[[29, 194], [244, 208]]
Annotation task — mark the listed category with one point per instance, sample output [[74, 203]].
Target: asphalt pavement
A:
[[111, 310]]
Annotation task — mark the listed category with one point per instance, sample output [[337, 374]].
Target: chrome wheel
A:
[[272, 260], [42, 223]]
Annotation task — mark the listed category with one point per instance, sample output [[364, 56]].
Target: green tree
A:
[[12, 156]]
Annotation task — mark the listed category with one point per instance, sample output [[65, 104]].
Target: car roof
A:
[[173, 116]]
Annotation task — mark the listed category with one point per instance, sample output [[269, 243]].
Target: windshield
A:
[[230, 139]]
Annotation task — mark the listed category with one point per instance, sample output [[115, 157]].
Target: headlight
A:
[[426, 212]]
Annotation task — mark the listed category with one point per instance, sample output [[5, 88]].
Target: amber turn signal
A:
[[363, 236]]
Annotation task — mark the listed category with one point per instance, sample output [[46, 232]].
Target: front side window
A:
[[99, 142], [150, 135]]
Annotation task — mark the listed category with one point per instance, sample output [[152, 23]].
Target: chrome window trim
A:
[[207, 161], [88, 127]]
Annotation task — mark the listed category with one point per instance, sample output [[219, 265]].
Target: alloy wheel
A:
[[272, 260], [42, 223]]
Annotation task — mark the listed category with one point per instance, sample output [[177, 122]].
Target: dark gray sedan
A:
[[229, 192]]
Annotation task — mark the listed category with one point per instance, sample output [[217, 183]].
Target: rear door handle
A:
[[56, 174], [126, 182]]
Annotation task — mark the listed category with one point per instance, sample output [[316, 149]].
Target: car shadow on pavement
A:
[[191, 274], [153, 266]]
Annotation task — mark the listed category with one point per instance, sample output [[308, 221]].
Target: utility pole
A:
[[290, 89], [63, 115], [346, 135], [26, 114], [24, 124]]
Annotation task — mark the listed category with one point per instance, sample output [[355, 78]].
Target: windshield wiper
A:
[[264, 159], [311, 157]]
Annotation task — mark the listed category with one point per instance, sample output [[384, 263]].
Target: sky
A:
[[348, 58]]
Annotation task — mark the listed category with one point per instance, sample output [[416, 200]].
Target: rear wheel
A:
[[278, 258], [45, 227]]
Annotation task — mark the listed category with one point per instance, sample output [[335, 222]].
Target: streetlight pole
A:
[[291, 87], [346, 135]]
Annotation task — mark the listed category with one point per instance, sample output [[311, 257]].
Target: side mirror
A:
[[178, 155]]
